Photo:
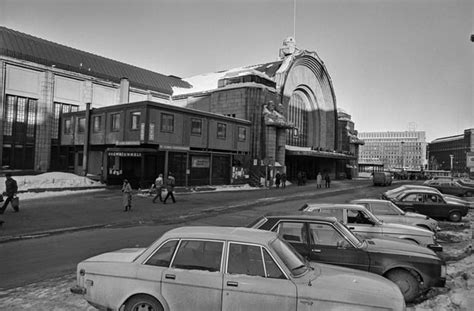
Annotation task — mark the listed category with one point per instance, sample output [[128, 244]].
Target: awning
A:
[[307, 151]]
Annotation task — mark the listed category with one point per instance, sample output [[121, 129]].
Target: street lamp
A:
[[403, 155]]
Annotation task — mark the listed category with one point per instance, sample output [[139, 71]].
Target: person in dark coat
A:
[[170, 182], [11, 188], [283, 180], [277, 180], [126, 196], [328, 180]]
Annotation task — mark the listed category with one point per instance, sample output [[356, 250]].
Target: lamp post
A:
[[403, 155]]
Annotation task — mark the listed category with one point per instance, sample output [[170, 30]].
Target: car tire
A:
[[142, 303], [455, 216], [407, 282]]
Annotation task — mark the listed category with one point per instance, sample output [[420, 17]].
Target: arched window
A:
[[298, 115]]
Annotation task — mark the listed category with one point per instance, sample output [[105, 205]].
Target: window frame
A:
[[178, 247], [135, 117], [81, 124], [164, 126], [99, 128], [195, 121], [221, 131], [115, 122], [67, 126], [242, 136]]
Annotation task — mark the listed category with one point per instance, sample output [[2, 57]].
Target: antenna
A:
[[294, 19]]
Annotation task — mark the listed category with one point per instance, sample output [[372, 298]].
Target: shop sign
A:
[[470, 159], [125, 154], [200, 162], [169, 147], [128, 143]]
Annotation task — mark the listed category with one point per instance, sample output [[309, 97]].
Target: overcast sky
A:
[[395, 65]]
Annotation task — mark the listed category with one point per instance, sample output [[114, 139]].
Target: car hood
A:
[[397, 247], [356, 289], [415, 215], [454, 201], [121, 255], [404, 229]]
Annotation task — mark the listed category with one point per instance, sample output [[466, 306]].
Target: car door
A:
[[328, 245], [295, 233], [194, 278], [254, 281], [433, 205], [361, 224]]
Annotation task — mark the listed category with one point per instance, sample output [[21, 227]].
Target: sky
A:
[[395, 64]]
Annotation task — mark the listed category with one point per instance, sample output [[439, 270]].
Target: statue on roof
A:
[[272, 115]]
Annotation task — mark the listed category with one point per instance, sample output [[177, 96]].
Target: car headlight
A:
[[443, 271]]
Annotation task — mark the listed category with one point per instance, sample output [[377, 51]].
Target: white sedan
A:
[[225, 268]]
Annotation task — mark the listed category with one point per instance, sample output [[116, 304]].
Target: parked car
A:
[[382, 178], [367, 225], [413, 268], [451, 187], [389, 212], [224, 268], [430, 203], [397, 191]]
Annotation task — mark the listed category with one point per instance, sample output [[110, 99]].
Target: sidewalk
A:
[[102, 208]]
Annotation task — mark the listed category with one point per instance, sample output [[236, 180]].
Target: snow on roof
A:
[[209, 81], [450, 138]]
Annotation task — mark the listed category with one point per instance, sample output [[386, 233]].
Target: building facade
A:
[[348, 143], [138, 141], [394, 150], [290, 104], [452, 153]]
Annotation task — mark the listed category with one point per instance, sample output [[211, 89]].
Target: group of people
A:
[[319, 180], [280, 179], [11, 189], [158, 187]]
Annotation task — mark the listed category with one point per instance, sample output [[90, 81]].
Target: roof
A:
[[300, 216], [448, 138], [331, 206], [368, 200], [238, 234], [22, 46]]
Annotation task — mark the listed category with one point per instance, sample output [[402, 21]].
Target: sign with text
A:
[[470, 159], [125, 154], [200, 162]]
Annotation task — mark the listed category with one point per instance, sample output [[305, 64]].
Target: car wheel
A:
[[455, 216], [143, 303], [407, 283]]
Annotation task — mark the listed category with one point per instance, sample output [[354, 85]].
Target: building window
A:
[[167, 122], [135, 124], [196, 127], [115, 122], [242, 133], [19, 110], [59, 110], [67, 127], [31, 118], [221, 130], [97, 124], [81, 125], [9, 116], [298, 115]]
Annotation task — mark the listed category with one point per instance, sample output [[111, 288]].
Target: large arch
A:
[[308, 77]]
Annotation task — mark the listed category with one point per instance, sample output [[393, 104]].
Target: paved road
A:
[[30, 260]]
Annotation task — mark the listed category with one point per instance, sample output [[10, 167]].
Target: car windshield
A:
[[348, 234], [396, 208], [372, 217], [290, 257]]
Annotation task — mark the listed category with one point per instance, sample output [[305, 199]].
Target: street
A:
[[40, 264]]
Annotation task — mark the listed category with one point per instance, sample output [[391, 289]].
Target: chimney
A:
[[124, 91]]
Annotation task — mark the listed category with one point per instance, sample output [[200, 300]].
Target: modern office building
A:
[[290, 104], [394, 150], [452, 153]]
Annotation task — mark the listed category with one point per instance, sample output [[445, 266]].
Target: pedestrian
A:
[[11, 188], [277, 180], [319, 180], [299, 178], [126, 196], [170, 187], [328, 180], [283, 180], [303, 178], [158, 188]]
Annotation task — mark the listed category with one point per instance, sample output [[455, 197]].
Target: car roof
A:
[[368, 200], [300, 216], [333, 206], [239, 234], [431, 191]]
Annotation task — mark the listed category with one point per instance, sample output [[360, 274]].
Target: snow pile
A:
[[50, 181]]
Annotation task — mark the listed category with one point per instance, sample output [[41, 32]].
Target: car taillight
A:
[[82, 272]]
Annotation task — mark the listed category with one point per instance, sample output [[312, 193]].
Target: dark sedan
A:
[[413, 268], [430, 203], [452, 187]]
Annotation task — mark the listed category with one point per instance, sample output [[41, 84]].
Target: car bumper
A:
[[435, 247], [78, 290]]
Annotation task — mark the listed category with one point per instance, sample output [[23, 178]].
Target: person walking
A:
[[158, 188], [319, 180], [328, 180], [283, 180], [127, 196], [299, 178], [170, 187], [277, 180], [11, 188]]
